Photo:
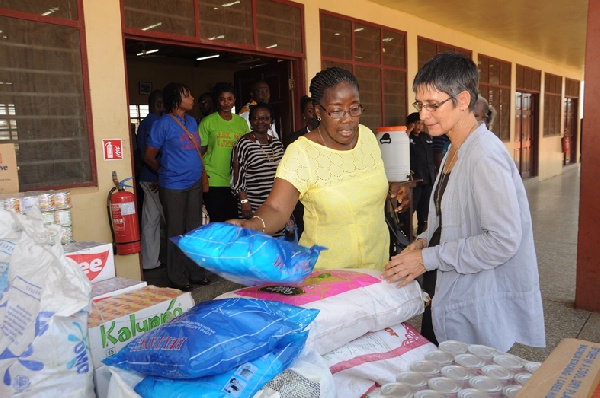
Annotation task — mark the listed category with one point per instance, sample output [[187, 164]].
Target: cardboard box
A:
[[571, 370], [95, 259], [9, 174], [117, 320], [114, 287]]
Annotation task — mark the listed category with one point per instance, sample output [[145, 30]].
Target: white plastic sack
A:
[[44, 305], [375, 359]]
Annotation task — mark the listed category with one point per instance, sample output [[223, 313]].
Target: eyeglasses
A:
[[338, 114], [430, 107], [260, 118]]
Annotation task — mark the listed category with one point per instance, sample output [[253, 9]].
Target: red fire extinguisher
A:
[[123, 219], [566, 144]]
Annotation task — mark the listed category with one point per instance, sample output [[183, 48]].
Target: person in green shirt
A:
[[219, 131]]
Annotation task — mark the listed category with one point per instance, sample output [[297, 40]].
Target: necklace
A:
[[269, 158], [448, 167]]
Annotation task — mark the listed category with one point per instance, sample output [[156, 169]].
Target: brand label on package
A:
[[96, 262]]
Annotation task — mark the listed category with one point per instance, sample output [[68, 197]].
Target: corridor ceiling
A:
[[551, 30]]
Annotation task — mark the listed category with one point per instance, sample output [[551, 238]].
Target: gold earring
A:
[[319, 118]]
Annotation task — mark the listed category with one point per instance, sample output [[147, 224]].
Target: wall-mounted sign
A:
[[113, 149]]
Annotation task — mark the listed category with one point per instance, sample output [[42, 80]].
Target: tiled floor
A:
[[554, 208]]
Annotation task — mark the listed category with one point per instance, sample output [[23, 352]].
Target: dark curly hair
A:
[[172, 95], [327, 79], [260, 105], [222, 87]]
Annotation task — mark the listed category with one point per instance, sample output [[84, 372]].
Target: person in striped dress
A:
[[254, 162]]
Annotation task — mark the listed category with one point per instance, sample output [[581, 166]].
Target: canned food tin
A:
[[472, 362], [453, 347], [427, 368], [66, 235], [458, 373], [498, 372], [414, 379], [512, 390], [397, 390], [48, 217], [62, 200], [440, 357], [13, 204], [531, 367], [483, 352], [487, 384], [46, 201], [509, 361], [63, 217], [445, 385], [472, 393], [28, 203], [522, 378]]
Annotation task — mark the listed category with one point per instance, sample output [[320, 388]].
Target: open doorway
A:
[[152, 65]]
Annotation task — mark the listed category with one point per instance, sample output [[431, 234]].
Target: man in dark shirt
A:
[[422, 166]]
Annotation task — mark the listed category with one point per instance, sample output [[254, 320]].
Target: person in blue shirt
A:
[[148, 179], [179, 169]]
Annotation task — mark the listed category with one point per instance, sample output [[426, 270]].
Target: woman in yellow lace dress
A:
[[337, 173]]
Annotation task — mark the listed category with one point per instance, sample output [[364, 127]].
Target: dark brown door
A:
[[571, 129], [524, 153], [277, 74]]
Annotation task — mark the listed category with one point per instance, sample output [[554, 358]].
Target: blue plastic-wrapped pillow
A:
[[241, 382], [246, 256], [212, 338]]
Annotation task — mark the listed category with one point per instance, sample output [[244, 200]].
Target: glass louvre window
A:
[[66, 9], [42, 103], [552, 104], [336, 37], [378, 60], [494, 85], [528, 79], [369, 79], [428, 48], [572, 88], [393, 49], [394, 88], [367, 46], [279, 26], [173, 16], [226, 21]]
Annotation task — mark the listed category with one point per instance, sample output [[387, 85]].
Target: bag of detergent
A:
[[44, 306], [246, 256], [241, 382], [213, 338]]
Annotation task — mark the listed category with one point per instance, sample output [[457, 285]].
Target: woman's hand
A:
[[246, 210], [401, 192], [405, 267]]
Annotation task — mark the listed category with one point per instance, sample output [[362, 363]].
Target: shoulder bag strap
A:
[[191, 138]]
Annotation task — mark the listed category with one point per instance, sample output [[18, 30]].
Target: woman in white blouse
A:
[[479, 236]]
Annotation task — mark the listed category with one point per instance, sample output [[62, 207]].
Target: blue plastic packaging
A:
[[246, 256], [242, 382], [212, 338]]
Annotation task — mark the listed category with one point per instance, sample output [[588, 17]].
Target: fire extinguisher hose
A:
[[110, 224]]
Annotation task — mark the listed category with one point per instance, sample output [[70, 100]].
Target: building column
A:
[[588, 240]]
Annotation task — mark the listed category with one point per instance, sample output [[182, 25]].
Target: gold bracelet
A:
[[262, 221]]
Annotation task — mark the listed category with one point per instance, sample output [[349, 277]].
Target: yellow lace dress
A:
[[343, 193]]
